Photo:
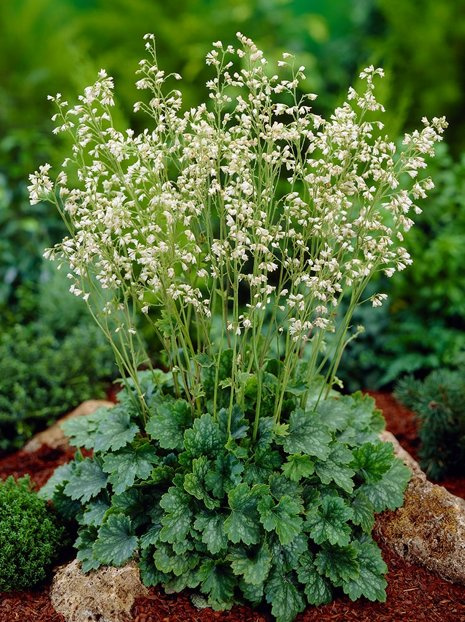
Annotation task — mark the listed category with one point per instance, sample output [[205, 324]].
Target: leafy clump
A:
[[438, 401], [30, 536], [285, 518], [42, 375]]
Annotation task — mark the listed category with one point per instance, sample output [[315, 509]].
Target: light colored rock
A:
[[429, 529], [54, 436], [103, 595]]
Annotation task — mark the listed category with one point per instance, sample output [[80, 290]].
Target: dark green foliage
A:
[[30, 536], [439, 403], [285, 518], [42, 376]]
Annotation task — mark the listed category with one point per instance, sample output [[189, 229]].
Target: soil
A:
[[413, 594]]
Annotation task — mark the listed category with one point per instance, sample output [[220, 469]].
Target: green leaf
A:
[[328, 521], [283, 517], [218, 583], [388, 492], [86, 481], [133, 503], [166, 560], [364, 514], [307, 435], [149, 574], [115, 430], [85, 547], [225, 474], [128, 464], [285, 599], [254, 568], [60, 475], [204, 438], [242, 525], [265, 432], [80, 431], [238, 425], [335, 412], [252, 593], [373, 460], [264, 462], [95, 511], [194, 483], [116, 542], [177, 520], [280, 485], [150, 537], [336, 468], [371, 582], [211, 526], [317, 588], [298, 466], [287, 557], [169, 422], [339, 564]]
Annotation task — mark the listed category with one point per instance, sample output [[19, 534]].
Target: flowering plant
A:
[[254, 208], [261, 213]]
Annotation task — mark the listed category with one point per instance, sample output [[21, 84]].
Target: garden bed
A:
[[413, 594]]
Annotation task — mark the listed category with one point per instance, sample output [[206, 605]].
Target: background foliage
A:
[[60, 44]]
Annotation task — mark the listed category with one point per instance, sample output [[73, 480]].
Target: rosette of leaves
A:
[[285, 519]]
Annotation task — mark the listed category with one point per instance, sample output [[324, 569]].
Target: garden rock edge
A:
[[429, 529]]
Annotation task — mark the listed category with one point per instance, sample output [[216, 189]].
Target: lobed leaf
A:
[[168, 423], [128, 464], [282, 517], [307, 435], [85, 481], [116, 542]]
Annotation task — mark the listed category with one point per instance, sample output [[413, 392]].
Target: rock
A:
[[53, 436], [103, 595], [429, 529]]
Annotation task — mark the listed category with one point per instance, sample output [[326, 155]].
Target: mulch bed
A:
[[413, 594]]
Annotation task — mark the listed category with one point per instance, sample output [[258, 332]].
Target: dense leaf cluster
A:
[[438, 401], [42, 375], [284, 519], [30, 536]]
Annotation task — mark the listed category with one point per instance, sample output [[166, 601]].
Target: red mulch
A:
[[413, 594]]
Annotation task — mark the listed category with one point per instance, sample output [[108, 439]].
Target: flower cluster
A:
[[252, 207]]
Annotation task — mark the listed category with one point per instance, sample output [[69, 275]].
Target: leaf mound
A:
[[283, 518]]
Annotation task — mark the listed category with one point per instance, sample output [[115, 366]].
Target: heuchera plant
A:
[[236, 229]]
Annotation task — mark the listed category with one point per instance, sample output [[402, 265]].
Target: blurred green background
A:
[[58, 45]]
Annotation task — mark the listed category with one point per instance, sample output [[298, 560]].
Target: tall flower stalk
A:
[[251, 208]]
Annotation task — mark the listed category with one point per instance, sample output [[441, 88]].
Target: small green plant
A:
[[42, 376], [237, 230], [285, 518], [30, 536], [438, 402]]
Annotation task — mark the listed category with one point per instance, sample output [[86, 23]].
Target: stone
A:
[[429, 529], [103, 595], [54, 436]]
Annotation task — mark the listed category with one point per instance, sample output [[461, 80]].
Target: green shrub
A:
[[438, 402], [30, 536], [286, 519], [43, 376]]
